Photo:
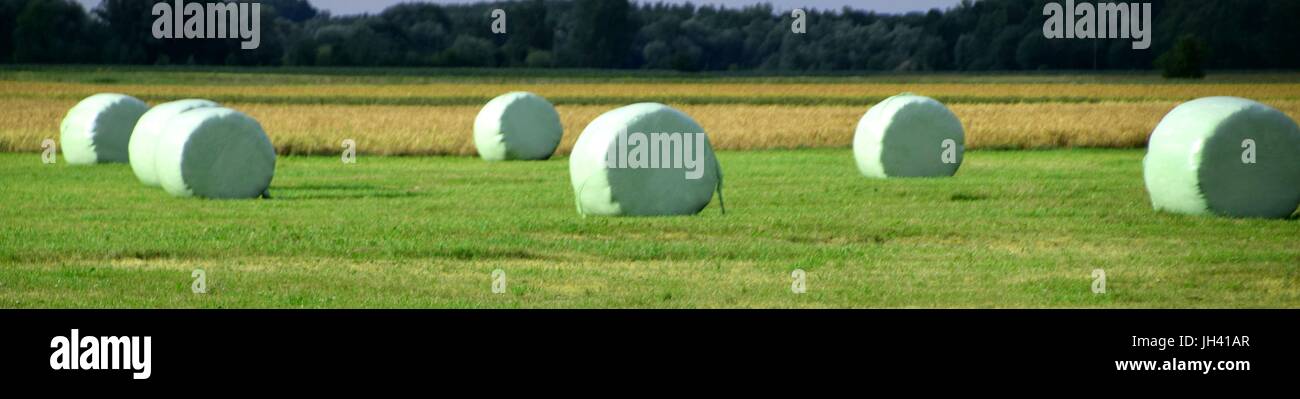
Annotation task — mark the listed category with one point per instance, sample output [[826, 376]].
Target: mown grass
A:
[[1013, 229]]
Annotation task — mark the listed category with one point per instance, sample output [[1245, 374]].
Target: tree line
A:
[[985, 35]]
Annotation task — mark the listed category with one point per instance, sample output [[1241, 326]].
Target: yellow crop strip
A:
[[304, 119]]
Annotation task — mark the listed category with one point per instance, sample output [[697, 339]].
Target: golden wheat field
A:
[[437, 118]]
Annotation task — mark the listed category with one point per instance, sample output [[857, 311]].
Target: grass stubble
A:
[[1014, 229]]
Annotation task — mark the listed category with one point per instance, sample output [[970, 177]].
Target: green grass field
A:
[[1013, 229]]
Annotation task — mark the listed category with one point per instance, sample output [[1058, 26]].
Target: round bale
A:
[[644, 160], [517, 126], [151, 127], [215, 153], [98, 129], [909, 136], [1225, 156]]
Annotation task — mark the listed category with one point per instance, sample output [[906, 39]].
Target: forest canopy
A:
[[986, 35]]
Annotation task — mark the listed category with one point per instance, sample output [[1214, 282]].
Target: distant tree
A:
[[1280, 38], [1185, 60], [657, 55], [1034, 52], [973, 35], [9, 10], [968, 52], [470, 51], [54, 31], [271, 51], [292, 10], [599, 35], [368, 46], [687, 56], [130, 28], [329, 42], [302, 50], [418, 32], [527, 30], [539, 59]]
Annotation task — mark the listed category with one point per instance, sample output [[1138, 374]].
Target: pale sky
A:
[[345, 7]]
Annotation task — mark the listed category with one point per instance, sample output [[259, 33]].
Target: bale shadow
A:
[[965, 197]]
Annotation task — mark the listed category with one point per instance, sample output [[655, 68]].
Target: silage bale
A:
[[909, 136], [1226, 156], [215, 153], [517, 126], [617, 185], [151, 127], [98, 129]]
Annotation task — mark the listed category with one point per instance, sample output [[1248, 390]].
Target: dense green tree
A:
[[9, 10], [470, 51], [598, 34], [54, 31], [130, 38], [1185, 60], [528, 31], [291, 10], [975, 35]]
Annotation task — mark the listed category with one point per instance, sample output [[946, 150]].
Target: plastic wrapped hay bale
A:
[[151, 127], [1226, 156], [517, 126], [215, 153], [98, 129], [644, 160], [909, 136]]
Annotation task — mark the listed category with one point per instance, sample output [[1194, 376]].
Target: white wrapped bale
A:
[[151, 127], [98, 129], [644, 160], [517, 126], [1226, 156], [909, 136], [215, 153]]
